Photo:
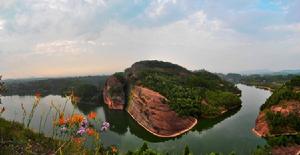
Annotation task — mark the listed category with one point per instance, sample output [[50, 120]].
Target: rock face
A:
[[261, 126], [292, 150], [284, 108], [141, 85], [114, 94], [147, 107]]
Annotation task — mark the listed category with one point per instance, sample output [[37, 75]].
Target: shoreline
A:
[[222, 113], [167, 136], [256, 133]]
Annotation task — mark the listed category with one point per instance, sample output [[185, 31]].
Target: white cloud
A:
[[287, 27], [64, 47], [2, 24], [157, 7], [200, 21], [113, 34], [5, 4]]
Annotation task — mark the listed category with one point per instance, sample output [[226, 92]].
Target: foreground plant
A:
[[78, 128]]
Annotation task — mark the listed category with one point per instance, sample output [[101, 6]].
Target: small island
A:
[[167, 99]]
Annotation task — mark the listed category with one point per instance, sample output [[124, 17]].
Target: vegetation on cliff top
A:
[[289, 91], [198, 93], [262, 81], [285, 127]]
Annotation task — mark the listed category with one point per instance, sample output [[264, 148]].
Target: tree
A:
[[187, 151], [86, 91], [2, 87]]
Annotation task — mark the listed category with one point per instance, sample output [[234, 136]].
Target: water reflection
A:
[[122, 121], [205, 124], [230, 132], [117, 118]]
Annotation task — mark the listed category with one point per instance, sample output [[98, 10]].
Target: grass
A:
[[16, 139]]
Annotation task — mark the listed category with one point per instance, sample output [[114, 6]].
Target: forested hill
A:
[[280, 114], [199, 93], [264, 81], [55, 86]]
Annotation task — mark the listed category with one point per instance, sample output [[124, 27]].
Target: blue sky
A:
[[88, 37]]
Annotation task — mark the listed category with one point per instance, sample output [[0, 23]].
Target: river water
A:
[[225, 134]]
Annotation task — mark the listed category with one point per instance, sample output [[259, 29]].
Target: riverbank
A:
[[15, 139]]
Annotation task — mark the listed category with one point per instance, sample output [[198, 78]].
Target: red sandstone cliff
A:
[[113, 93], [147, 108], [285, 108]]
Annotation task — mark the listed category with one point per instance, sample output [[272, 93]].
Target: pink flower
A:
[[81, 131], [105, 126]]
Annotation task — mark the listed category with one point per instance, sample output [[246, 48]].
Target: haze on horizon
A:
[[41, 38]]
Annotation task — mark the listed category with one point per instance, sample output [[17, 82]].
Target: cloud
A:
[[284, 28], [6, 4], [109, 35], [66, 47], [2, 24], [157, 7]]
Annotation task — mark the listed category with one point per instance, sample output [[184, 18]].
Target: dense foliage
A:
[[281, 124], [54, 86], [86, 92], [283, 140], [286, 92], [195, 94], [2, 86], [266, 81]]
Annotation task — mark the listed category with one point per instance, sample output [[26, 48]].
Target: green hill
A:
[[198, 93]]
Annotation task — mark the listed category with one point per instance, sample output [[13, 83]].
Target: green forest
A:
[[196, 94], [265, 81], [286, 92], [279, 123], [88, 88]]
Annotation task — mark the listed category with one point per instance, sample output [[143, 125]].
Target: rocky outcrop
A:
[[284, 108], [147, 107], [261, 126], [114, 94], [288, 150]]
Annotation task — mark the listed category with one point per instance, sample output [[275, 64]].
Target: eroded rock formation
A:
[[147, 107], [114, 94]]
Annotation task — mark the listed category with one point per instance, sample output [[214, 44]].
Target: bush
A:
[[86, 92], [185, 95]]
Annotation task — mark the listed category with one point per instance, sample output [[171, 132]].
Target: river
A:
[[225, 134]]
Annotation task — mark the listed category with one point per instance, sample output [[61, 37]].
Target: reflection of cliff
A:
[[87, 107], [121, 121], [205, 124], [117, 118]]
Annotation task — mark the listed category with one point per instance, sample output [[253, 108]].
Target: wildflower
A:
[[78, 140], [90, 131], [84, 123], [62, 121], [114, 149], [105, 126], [81, 131], [92, 115], [38, 96], [63, 129], [76, 118]]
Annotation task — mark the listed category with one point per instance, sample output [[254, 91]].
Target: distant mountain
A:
[[286, 72], [258, 71], [269, 72]]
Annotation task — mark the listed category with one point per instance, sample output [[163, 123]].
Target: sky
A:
[[48, 38]]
